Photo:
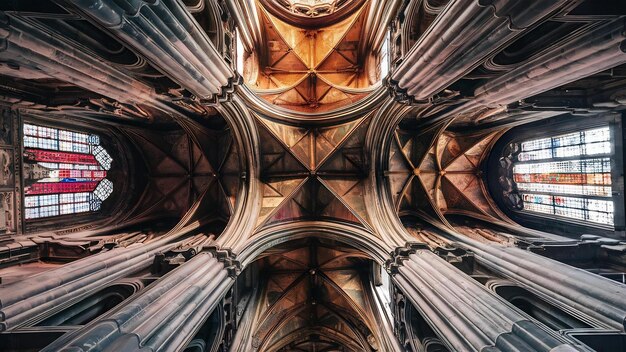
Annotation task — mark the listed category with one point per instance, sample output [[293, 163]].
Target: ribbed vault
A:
[[440, 172], [184, 165], [313, 173], [311, 69], [315, 297]]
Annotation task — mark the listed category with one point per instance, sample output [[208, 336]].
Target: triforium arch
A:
[[347, 175]]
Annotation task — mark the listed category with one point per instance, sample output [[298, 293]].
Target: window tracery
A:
[[564, 175], [64, 171]]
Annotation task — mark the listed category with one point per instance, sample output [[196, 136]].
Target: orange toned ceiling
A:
[[312, 70]]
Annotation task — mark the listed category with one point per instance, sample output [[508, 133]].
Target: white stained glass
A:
[[30, 142], [586, 190], [569, 151], [82, 207], [570, 213], [31, 201], [74, 208], [568, 166], [82, 197], [66, 198], [67, 209], [49, 199], [31, 213], [536, 144], [104, 189], [40, 143], [583, 149], [598, 148], [599, 217], [103, 157], [30, 130], [45, 132], [598, 135], [65, 135], [535, 155], [47, 211], [73, 147], [72, 136], [65, 146], [600, 205], [566, 139]]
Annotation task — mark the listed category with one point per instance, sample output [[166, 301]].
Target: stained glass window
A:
[[384, 57], [567, 175], [64, 172]]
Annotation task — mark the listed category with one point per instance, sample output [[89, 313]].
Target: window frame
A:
[[553, 127], [76, 219]]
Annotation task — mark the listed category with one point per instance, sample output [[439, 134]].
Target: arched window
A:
[[384, 57], [561, 173], [64, 172], [567, 175]]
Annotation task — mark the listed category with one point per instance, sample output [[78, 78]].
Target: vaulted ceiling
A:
[[313, 173], [311, 69], [319, 167], [441, 173], [186, 166], [316, 297]]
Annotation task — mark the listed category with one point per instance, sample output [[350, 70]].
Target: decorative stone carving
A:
[[7, 176], [7, 213]]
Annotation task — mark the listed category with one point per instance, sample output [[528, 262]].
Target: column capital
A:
[[400, 254], [227, 257]]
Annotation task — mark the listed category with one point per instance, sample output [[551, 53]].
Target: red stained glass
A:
[[61, 187], [39, 155], [567, 182]]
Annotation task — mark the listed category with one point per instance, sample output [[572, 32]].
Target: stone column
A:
[[164, 317], [463, 313]]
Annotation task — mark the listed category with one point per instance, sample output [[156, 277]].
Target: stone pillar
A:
[[164, 317], [52, 290], [168, 36], [566, 286], [463, 313]]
